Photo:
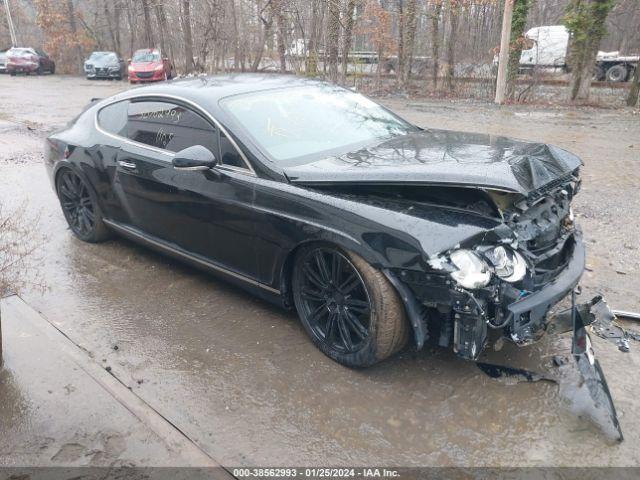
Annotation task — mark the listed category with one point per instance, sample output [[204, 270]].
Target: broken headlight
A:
[[507, 264], [471, 270]]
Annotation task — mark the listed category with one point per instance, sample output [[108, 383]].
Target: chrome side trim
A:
[[205, 263], [248, 171]]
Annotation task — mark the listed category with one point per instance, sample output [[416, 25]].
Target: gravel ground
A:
[[240, 377]]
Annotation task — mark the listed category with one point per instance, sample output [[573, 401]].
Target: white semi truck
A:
[[547, 49]]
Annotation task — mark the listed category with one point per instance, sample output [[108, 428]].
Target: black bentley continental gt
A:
[[315, 197]]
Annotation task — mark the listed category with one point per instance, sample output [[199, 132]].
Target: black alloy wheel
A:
[[80, 207], [334, 300], [349, 308]]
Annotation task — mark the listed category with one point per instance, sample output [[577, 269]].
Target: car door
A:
[[207, 213]]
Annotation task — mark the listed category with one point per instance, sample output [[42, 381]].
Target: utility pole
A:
[[503, 59], [12, 30]]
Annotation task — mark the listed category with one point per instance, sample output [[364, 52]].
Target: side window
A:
[[169, 126], [228, 153], [113, 118]]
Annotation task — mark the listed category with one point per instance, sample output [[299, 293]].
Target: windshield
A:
[[306, 123], [103, 56], [146, 57]]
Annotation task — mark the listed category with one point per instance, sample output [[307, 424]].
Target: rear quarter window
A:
[[113, 118]]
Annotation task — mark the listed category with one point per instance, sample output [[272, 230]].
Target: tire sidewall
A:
[[612, 76], [96, 233], [367, 354]]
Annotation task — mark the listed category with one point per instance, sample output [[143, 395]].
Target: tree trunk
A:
[[503, 61], [586, 21], [410, 25], [276, 6], [264, 34], [451, 43], [117, 11], [188, 39], [518, 24], [400, 66], [333, 37], [148, 30], [109, 20], [435, 42], [632, 99], [159, 13], [347, 38], [131, 20], [311, 61], [74, 32]]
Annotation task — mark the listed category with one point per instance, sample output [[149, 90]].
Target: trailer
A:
[[547, 48]]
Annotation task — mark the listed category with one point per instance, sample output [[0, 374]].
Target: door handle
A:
[[127, 165]]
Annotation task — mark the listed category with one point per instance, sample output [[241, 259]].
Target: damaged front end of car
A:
[[508, 278]]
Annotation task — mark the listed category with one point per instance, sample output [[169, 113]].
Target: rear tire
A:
[[80, 207], [349, 309], [617, 73]]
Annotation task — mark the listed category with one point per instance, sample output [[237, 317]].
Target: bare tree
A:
[[347, 37], [311, 63], [409, 36], [632, 99], [452, 34], [516, 43], [74, 32], [333, 38], [266, 23], [277, 8], [188, 39], [148, 30], [435, 40], [586, 21]]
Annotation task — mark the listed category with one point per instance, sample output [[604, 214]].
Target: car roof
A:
[[208, 90]]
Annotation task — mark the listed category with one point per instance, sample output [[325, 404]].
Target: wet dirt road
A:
[[240, 377]]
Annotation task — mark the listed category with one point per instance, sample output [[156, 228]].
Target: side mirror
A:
[[194, 158]]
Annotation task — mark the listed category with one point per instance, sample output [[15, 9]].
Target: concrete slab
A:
[[60, 408]]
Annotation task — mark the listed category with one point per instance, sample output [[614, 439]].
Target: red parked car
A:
[[148, 65], [29, 60]]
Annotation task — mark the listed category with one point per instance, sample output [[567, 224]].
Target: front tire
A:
[[349, 309], [80, 208]]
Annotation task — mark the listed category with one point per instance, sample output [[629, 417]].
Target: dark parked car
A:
[[104, 65], [148, 65], [29, 60], [3, 62], [319, 199]]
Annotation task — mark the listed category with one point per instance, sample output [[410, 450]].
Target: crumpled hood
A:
[[441, 157]]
